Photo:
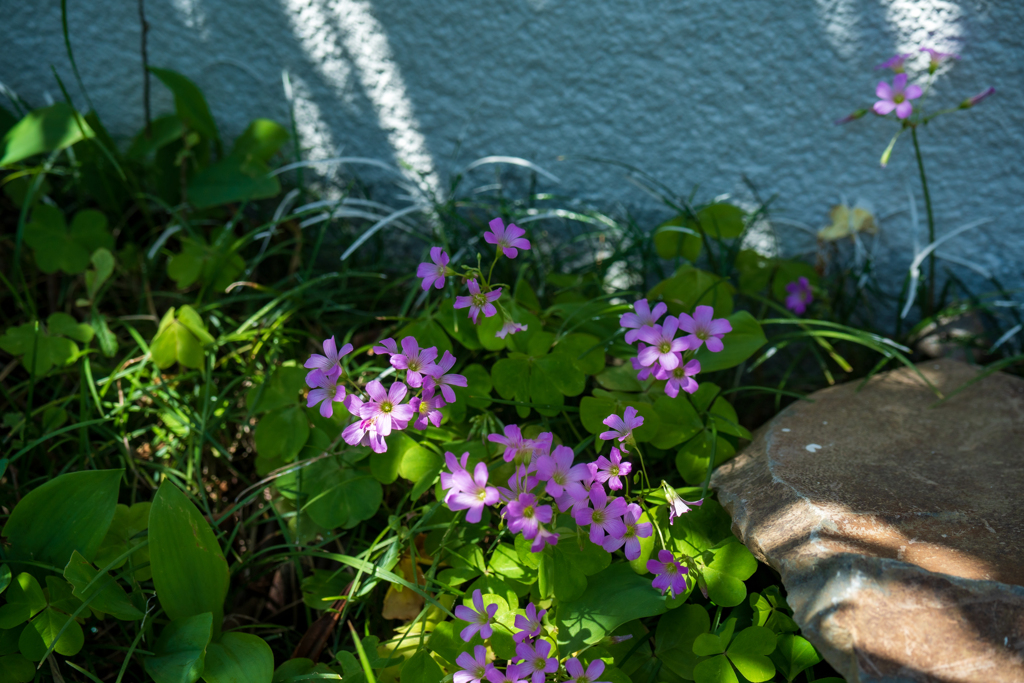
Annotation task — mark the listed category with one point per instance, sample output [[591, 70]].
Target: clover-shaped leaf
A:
[[102, 268], [215, 263], [180, 339], [746, 652], [731, 564], [676, 635], [540, 376], [58, 248], [41, 347], [594, 409], [25, 599], [772, 611], [793, 654]]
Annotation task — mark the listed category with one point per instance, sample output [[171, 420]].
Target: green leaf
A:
[[189, 102], [239, 658], [16, 669], [723, 221], [339, 496], [25, 599], [732, 564], [677, 237], [505, 561], [707, 644], [512, 380], [299, 670], [189, 571], [619, 378], [417, 461], [692, 287], [260, 141], [64, 325], [42, 633], [163, 131], [613, 597], [188, 317], [215, 263], [40, 351], [180, 339], [282, 433], [584, 351], [445, 642], [740, 344], [106, 595], [9, 640], [128, 523], [594, 409], [793, 654], [280, 389], [421, 668], [230, 180], [428, 333], [702, 527], [5, 578], [563, 568], [57, 248], [748, 651], [692, 459], [106, 339], [44, 130], [714, 670], [70, 512], [181, 650], [675, 636], [679, 421]]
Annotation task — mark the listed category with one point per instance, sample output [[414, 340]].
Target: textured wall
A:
[[692, 91]]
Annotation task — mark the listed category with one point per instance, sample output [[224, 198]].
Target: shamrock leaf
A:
[[793, 654], [58, 248], [180, 339], [215, 263], [731, 564], [544, 375], [746, 653], [40, 346]]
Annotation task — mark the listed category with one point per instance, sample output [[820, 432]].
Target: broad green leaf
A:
[[754, 271], [338, 495], [675, 636], [260, 141], [181, 650], [421, 668], [43, 631], [748, 651], [613, 597], [692, 287], [417, 461], [512, 380], [231, 180], [43, 130], [190, 573], [677, 237], [384, 466], [716, 669], [282, 433], [188, 317], [60, 596], [702, 527], [64, 325], [163, 131], [58, 248], [323, 587], [721, 220], [189, 102], [299, 670], [25, 599], [239, 658], [792, 655], [563, 568], [175, 342], [693, 458], [9, 640], [584, 352], [445, 642], [14, 668], [213, 263], [707, 644], [106, 595], [128, 522], [39, 349], [679, 421], [478, 387], [619, 378], [5, 577], [740, 344], [457, 324], [70, 512], [505, 561], [732, 564], [280, 389]]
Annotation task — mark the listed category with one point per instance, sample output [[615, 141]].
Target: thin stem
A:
[[145, 70], [931, 221]]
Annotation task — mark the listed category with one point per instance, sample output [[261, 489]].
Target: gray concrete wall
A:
[[692, 91]]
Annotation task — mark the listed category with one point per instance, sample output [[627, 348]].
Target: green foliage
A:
[[180, 339], [57, 247], [44, 130], [180, 651]]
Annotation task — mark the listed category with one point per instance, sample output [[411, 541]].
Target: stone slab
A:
[[896, 524]]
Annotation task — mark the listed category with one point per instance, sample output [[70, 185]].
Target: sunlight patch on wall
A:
[[192, 15], [839, 19], [925, 23]]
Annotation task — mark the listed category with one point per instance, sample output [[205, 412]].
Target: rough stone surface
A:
[[897, 526], [695, 92]]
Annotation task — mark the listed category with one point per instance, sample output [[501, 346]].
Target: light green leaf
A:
[[70, 512], [421, 668], [64, 325], [190, 573], [748, 651], [675, 636], [106, 595], [679, 421], [740, 344], [707, 644], [282, 433], [732, 564], [613, 597], [181, 650], [563, 568], [793, 654], [714, 670], [339, 496], [260, 141], [175, 342], [189, 102], [42, 633], [692, 459], [5, 578], [40, 350], [43, 130], [25, 599], [239, 658], [188, 317]]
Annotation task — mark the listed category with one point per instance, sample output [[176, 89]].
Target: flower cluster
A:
[[663, 354], [384, 410], [533, 659], [483, 294]]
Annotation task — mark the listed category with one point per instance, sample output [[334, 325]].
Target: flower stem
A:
[[711, 459], [931, 223]]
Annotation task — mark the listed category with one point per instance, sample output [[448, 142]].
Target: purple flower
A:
[[576, 674], [478, 301], [508, 240], [544, 537], [474, 667], [386, 408], [605, 517], [644, 370], [513, 674], [704, 329], [434, 273], [896, 96], [329, 363], [326, 392], [479, 620], [448, 483], [936, 58], [524, 515], [388, 346], [518, 483], [676, 505], [428, 410], [635, 530], [971, 101], [473, 493], [542, 444], [529, 626], [642, 317], [610, 471], [670, 573], [798, 295], [621, 427], [895, 63], [437, 379], [362, 432], [535, 659], [559, 472], [510, 327], [664, 347], [415, 361], [516, 447], [680, 378]]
